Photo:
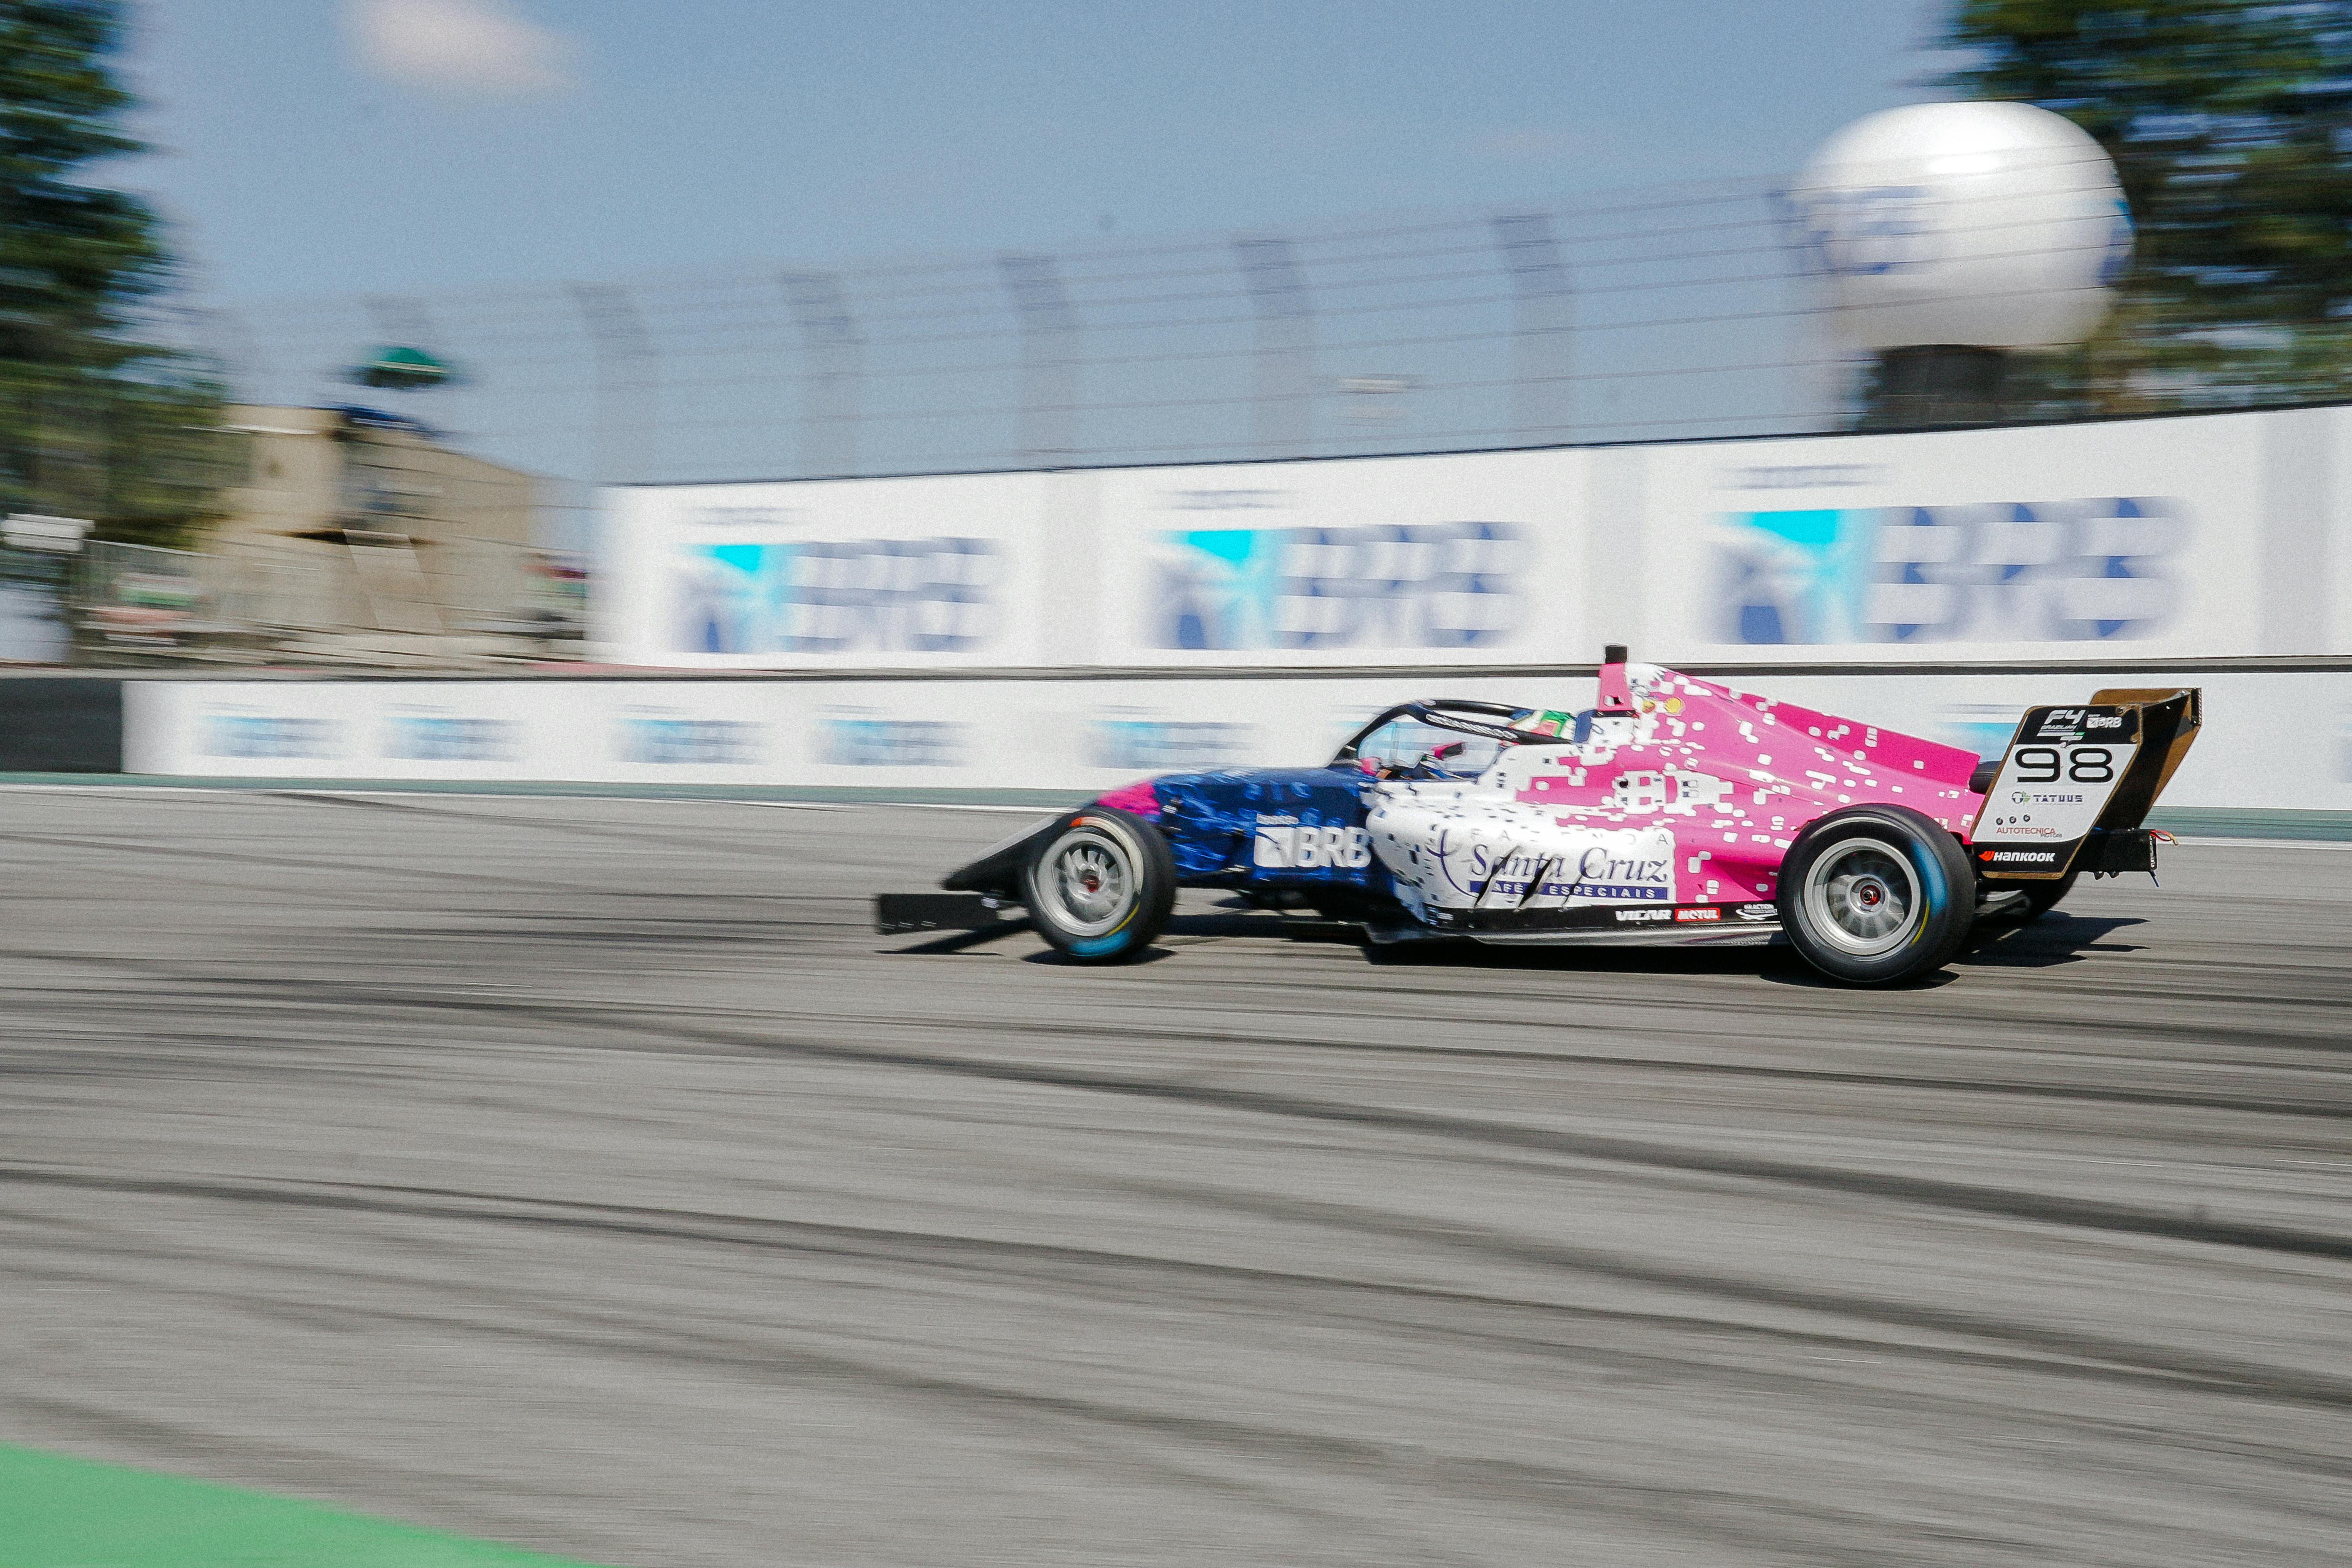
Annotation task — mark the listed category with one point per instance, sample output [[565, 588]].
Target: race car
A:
[[1673, 811]]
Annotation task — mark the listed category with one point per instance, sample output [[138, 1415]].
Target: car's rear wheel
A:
[[1101, 890], [1873, 895]]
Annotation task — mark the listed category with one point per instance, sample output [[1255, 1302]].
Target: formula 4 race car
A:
[[1673, 811]]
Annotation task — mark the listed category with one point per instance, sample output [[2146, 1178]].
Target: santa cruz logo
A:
[[1639, 870], [1516, 876], [1633, 879], [1595, 874]]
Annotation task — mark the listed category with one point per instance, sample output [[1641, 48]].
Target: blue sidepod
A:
[[1270, 827]]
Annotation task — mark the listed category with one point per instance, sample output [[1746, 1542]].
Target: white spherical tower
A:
[[1950, 234]]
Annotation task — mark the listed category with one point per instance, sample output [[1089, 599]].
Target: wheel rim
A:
[[1088, 880], [1862, 896]]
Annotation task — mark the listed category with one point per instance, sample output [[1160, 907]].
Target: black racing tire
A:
[[1873, 895], [1100, 890]]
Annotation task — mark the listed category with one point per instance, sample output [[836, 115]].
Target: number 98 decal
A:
[[2074, 765]]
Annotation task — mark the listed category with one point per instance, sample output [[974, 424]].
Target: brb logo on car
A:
[[863, 595], [2079, 570], [1286, 844], [1444, 584]]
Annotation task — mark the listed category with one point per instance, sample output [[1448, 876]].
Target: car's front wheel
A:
[[1101, 890], [1876, 894]]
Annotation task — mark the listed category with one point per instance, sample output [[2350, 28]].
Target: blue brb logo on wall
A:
[[863, 741], [433, 739], [672, 743], [2080, 571], [264, 736], [879, 596], [1133, 742], [1447, 584]]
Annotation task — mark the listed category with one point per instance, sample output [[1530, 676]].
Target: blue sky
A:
[[312, 147]]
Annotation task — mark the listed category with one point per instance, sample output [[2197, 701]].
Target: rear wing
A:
[[2073, 776]]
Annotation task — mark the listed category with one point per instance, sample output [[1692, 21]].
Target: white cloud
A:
[[476, 47]]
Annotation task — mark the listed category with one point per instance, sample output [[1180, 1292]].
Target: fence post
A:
[[1542, 325], [626, 365], [831, 385], [1049, 358], [1282, 415]]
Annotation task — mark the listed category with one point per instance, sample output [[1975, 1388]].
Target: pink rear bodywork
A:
[[1736, 776]]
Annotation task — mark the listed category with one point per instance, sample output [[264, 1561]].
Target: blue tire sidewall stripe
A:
[[1112, 941]]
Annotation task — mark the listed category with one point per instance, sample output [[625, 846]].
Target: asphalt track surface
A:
[[586, 1174]]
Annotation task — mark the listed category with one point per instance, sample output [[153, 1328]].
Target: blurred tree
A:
[[95, 420], [2231, 124]]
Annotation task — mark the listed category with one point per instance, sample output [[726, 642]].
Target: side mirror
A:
[[1450, 749]]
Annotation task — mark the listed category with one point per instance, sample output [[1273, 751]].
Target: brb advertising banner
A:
[[2277, 740], [2212, 536], [1033, 734], [2140, 539], [1454, 560], [861, 573]]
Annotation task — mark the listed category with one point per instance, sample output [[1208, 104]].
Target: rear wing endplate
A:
[[2073, 772]]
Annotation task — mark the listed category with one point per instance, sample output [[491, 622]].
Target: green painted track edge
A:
[[59, 1510], [2202, 822]]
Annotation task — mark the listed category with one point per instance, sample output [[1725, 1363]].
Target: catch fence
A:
[[1663, 313]]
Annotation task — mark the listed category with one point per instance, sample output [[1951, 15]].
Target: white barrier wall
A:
[[2273, 740], [1075, 630], [2202, 536]]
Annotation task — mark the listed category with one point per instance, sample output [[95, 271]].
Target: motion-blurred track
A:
[[586, 1174]]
